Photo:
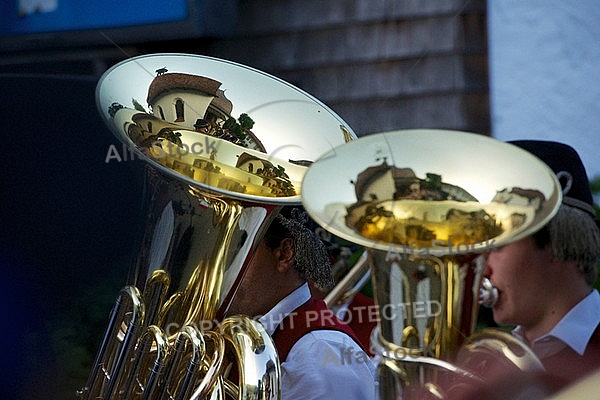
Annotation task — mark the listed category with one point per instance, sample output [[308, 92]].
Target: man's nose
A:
[[487, 269]]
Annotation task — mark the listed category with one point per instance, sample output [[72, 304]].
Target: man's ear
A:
[[285, 255]]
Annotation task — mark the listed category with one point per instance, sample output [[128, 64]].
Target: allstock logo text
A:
[[159, 151]]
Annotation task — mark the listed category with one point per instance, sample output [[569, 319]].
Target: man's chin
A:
[[499, 314]]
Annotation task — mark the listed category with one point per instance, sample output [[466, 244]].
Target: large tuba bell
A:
[[225, 147], [427, 204]]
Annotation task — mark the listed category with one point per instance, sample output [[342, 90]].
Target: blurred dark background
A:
[[69, 219]]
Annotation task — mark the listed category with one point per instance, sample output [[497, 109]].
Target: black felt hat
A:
[[568, 167]]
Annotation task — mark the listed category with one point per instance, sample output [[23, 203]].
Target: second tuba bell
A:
[[426, 204]]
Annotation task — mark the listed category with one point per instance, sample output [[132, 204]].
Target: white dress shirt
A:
[[323, 364], [574, 330]]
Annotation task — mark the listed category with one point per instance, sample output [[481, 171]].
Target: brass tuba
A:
[[225, 146], [427, 204]]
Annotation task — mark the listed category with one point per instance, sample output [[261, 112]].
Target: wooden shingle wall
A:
[[380, 64]]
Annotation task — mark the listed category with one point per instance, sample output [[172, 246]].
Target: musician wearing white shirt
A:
[[320, 356]]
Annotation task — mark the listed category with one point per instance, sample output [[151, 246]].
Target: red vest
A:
[[360, 318], [567, 366], [311, 316]]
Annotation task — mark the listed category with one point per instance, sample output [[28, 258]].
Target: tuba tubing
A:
[[111, 357], [350, 284]]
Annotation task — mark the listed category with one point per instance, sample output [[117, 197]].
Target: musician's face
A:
[[269, 277], [520, 271], [254, 286]]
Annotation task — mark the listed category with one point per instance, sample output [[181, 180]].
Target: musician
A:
[[545, 281], [321, 358]]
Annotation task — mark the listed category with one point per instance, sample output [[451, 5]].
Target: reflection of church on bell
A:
[[388, 182], [274, 177], [396, 206], [183, 98], [191, 132], [197, 103]]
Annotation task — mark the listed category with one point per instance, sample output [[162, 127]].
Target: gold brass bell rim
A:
[[171, 97], [478, 166]]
